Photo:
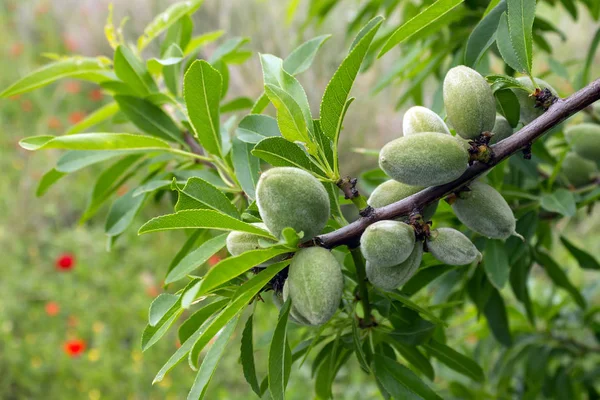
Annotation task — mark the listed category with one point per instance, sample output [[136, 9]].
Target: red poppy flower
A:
[[152, 291], [54, 123], [65, 262], [213, 260], [73, 87], [16, 49], [76, 117], [52, 308], [96, 95], [74, 347]]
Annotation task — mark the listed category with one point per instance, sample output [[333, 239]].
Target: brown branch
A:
[[195, 147], [557, 112]]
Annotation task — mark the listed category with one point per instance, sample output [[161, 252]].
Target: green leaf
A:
[[237, 104], [100, 115], [179, 34], [255, 127], [202, 93], [195, 321], [200, 194], [247, 356], [508, 105], [560, 201], [280, 355], [497, 318], [209, 364], [484, 35], [228, 51], [151, 186], [232, 267], [495, 261], [240, 300], [49, 179], [122, 212], [246, 166], [280, 152], [86, 68], [455, 360], [521, 14], [196, 258], [421, 21], [585, 73], [584, 259], [400, 381], [334, 101], [94, 141], [505, 47], [519, 274], [358, 348], [72, 161], [201, 40], [160, 306], [409, 327], [172, 70], [193, 219], [131, 70], [164, 20], [558, 276], [415, 358], [414, 306], [301, 58], [423, 277], [149, 118]]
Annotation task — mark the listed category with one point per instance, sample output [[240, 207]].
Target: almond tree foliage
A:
[[209, 154]]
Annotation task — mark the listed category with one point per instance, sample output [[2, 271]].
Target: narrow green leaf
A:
[[423, 277], [122, 212], [201, 40], [202, 93], [246, 166], [195, 321], [301, 58], [484, 35], [414, 306], [585, 73], [200, 194], [49, 179], [86, 68], [560, 201], [505, 47], [160, 306], [164, 20], [228, 51], [333, 103], [455, 360], [247, 356], [400, 381], [237, 104], [72, 161], [584, 259], [559, 277], [497, 318], [415, 358], [358, 349], [209, 364], [149, 118], [280, 152], [255, 127], [196, 258], [100, 115], [290, 117], [151, 186], [279, 365], [131, 70], [496, 264], [193, 219], [519, 274], [521, 14], [94, 141], [421, 21]]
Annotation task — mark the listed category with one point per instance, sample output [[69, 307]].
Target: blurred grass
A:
[[104, 300]]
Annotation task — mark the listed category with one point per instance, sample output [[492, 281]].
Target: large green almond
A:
[[420, 119], [392, 191], [291, 197], [469, 102], [585, 140], [484, 210], [387, 243], [391, 278], [529, 111], [502, 129], [424, 159], [578, 171], [315, 284], [451, 247]]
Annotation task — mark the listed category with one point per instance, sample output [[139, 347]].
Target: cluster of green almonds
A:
[[580, 165], [291, 197]]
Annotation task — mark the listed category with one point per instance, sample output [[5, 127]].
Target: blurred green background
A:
[[103, 299]]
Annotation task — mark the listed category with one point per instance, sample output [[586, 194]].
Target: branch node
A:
[[480, 149], [544, 98], [366, 212], [527, 151]]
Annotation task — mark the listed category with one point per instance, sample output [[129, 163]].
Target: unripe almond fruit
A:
[[469, 102], [391, 278], [585, 140], [392, 191], [529, 111], [484, 210], [315, 284], [502, 129], [424, 159], [387, 243], [578, 170], [420, 119], [291, 197], [451, 247], [241, 242]]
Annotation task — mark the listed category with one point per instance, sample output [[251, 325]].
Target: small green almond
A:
[[391, 278], [420, 119], [585, 140], [451, 247], [392, 191], [578, 171], [387, 243], [529, 111], [424, 159], [502, 129], [241, 242]]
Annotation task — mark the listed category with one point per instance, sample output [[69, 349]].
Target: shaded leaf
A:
[[495, 261], [400, 381], [484, 34], [255, 127], [200, 194], [585, 260], [280, 355], [196, 258], [247, 356], [560, 201], [455, 360], [558, 276], [497, 318], [246, 166], [131, 70]]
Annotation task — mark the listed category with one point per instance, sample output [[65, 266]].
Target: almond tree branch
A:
[[558, 112]]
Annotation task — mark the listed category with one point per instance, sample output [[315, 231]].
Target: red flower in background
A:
[[52, 308], [213, 260], [73, 87], [16, 49], [70, 43], [26, 105], [96, 94], [76, 117], [74, 347], [54, 123], [65, 262]]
